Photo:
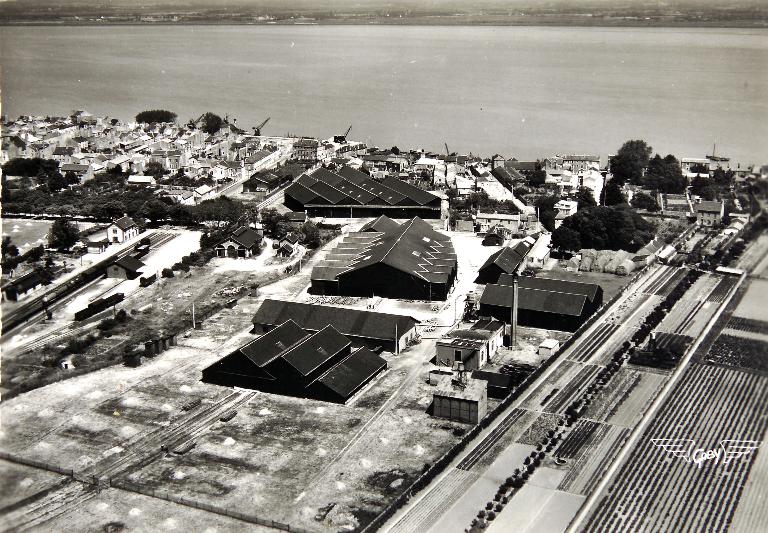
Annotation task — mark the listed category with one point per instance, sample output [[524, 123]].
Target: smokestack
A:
[[513, 318]]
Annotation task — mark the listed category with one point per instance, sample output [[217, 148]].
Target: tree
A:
[[63, 234], [628, 163], [546, 209], [613, 194], [9, 249], [585, 198], [311, 234], [395, 150], [537, 178], [566, 238], [212, 123], [645, 201], [613, 228], [665, 175], [155, 115], [723, 178], [154, 169], [703, 187]]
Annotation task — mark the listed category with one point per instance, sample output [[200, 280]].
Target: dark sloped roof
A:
[[489, 324], [494, 379], [508, 259], [245, 236], [351, 322], [26, 282], [535, 300], [414, 248], [352, 373], [129, 263], [124, 223], [382, 224], [301, 193], [590, 290], [268, 347], [311, 352], [420, 196]]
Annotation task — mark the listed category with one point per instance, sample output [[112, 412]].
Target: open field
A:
[[656, 491]]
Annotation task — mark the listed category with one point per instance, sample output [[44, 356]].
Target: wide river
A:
[[519, 91]]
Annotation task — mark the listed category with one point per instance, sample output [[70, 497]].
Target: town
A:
[[209, 327]]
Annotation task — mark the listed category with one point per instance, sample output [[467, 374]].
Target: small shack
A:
[[548, 347], [460, 398], [125, 268]]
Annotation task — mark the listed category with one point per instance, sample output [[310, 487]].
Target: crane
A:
[[257, 129], [348, 130], [447, 151]]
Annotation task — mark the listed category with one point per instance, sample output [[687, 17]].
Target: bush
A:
[[167, 273], [106, 324]]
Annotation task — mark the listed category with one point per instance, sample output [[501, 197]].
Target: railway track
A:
[[35, 306], [141, 450]]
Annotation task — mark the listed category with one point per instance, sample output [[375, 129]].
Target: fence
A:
[[146, 491], [164, 495]]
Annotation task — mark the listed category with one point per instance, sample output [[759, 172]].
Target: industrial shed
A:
[[293, 362], [351, 193], [125, 268], [543, 303], [412, 262], [363, 328], [505, 261]]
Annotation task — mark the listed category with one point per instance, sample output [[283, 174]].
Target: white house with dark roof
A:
[[122, 230]]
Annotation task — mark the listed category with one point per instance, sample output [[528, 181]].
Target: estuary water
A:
[[526, 92]]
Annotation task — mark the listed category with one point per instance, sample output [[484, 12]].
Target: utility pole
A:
[[194, 326]]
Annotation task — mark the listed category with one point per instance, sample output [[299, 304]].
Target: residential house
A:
[[709, 213], [122, 230]]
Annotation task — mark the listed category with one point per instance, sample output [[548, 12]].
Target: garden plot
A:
[[544, 392], [628, 407], [20, 482], [752, 304], [592, 458], [739, 352]]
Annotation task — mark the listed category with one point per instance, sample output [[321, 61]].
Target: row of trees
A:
[[604, 228], [210, 122], [633, 164]]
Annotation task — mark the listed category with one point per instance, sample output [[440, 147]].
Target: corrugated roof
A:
[[535, 300], [353, 372], [590, 290], [311, 352], [382, 224], [245, 236], [351, 322], [508, 259], [268, 347]]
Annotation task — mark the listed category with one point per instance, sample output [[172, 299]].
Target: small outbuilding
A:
[[125, 268], [460, 399], [548, 347], [243, 242]]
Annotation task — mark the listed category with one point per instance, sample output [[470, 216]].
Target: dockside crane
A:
[[342, 138], [257, 129]]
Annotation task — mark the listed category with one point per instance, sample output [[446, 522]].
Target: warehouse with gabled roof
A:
[[291, 361], [362, 327], [504, 261], [412, 261], [543, 303], [351, 193]]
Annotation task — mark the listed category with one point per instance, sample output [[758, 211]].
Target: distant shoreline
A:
[[580, 22]]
